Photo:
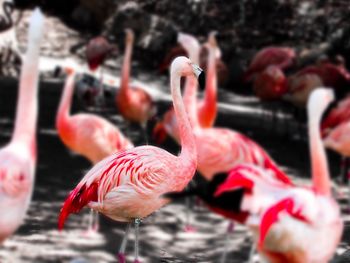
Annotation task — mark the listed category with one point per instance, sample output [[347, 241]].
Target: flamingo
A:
[[97, 51], [286, 219], [301, 84], [18, 158], [281, 57], [90, 90], [207, 108], [179, 50], [133, 103], [128, 185], [87, 134]]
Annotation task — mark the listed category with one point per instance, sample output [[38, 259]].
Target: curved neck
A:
[[190, 100], [320, 172], [188, 147], [66, 100], [124, 82], [210, 95]]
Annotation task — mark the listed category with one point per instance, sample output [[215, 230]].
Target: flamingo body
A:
[[135, 105], [270, 84], [87, 134], [116, 185], [278, 56], [285, 219]]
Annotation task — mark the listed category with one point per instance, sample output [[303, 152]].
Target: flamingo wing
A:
[[143, 169]]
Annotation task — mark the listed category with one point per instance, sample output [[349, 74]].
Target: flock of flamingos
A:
[[290, 222]]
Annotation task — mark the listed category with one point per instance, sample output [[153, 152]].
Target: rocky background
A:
[[243, 26]]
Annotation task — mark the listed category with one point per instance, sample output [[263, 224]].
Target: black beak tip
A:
[[201, 80]]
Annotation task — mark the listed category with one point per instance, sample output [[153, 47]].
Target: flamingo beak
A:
[[199, 73]]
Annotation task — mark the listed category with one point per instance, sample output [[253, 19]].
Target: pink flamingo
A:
[[128, 185], [301, 84], [87, 134], [285, 219], [207, 108], [18, 158], [134, 103], [281, 57], [220, 149]]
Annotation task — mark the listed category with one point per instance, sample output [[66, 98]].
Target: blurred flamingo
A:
[[207, 108], [301, 84], [270, 84], [281, 57], [97, 50], [179, 50], [87, 134], [90, 91], [285, 219], [18, 158], [128, 185], [133, 103]]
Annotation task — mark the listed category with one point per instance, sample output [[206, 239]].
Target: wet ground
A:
[[162, 235]]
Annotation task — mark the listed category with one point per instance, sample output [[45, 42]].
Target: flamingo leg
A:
[[251, 253], [188, 226], [230, 230], [144, 130], [121, 253], [137, 225], [93, 222]]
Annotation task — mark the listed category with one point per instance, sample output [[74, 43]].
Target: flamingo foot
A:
[[190, 229], [121, 258]]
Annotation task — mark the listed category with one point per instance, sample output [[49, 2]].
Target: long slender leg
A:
[[230, 230], [121, 253], [251, 253], [188, 224], [144, 129], [137, 225]]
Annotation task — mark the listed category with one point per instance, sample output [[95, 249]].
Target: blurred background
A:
[[317, 31]]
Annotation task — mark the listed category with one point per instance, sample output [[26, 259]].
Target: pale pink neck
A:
[[124, 83], [66, 100], [210, 95], [27, 103], [190, 100], [188, 147], [320, 172]]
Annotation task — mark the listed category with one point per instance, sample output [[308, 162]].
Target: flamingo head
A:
[[272, 214], [191, 45], [186, 68], [97, 50], [270, 84]]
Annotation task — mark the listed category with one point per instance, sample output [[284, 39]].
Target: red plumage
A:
[[76, 200]]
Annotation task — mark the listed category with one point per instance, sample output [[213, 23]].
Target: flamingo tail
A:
[[76, 200]]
